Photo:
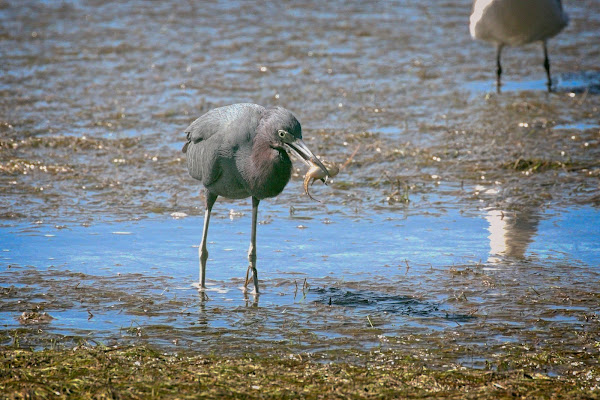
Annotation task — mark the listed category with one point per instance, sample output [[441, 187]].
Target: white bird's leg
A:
[[547, 66], [252, 249], [498, 67], [202, 251]]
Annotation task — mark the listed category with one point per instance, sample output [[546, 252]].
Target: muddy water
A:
[[466, 216]]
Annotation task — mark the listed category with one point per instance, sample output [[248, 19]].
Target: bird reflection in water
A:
[[511, 233]]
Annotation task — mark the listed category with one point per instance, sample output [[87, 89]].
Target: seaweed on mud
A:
[[141, 371]]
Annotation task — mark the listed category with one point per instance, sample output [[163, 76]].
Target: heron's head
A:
[[286, 133]]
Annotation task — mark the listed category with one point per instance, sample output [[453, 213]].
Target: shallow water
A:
[[414, 273], [465, 216]]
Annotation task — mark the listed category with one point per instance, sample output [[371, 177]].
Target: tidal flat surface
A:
[[464, 219]]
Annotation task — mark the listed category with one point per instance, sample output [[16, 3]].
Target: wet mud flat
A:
[[457, 249]]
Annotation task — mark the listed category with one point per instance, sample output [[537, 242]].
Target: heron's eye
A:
[[281, 133]]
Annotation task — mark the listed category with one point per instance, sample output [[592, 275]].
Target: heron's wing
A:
[[221, 121], [215, 136]]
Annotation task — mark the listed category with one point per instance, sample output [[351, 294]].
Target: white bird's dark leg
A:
[[202, 251], [547, 66], [252, 249], [498, 67]]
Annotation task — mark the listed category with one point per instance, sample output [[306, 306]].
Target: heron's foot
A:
[[246, 291], [203, 296], [248, 272], [251, 276], [251, 302]]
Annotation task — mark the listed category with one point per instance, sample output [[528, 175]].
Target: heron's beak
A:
[[301, 151]]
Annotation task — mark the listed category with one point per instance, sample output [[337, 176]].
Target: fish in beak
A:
[[303, 152]]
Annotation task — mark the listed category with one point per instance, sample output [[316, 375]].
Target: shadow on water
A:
[[384, 303]]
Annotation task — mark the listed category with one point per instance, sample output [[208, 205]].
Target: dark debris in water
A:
[[35, 318], [580, 82]]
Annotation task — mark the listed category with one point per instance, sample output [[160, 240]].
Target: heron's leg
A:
[[202, 251], [547, 66], [498, 67], [252, 249]]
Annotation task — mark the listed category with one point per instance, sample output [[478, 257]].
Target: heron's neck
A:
[[271, 169]]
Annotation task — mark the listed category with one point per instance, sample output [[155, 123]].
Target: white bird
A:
[[515, 23]]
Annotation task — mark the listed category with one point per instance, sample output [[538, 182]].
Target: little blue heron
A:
[[515, 23], [239, 151]]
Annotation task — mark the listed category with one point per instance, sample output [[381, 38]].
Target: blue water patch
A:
[[578, 126], [359, 246]]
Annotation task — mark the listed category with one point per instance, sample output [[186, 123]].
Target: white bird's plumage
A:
[[517, 22]]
